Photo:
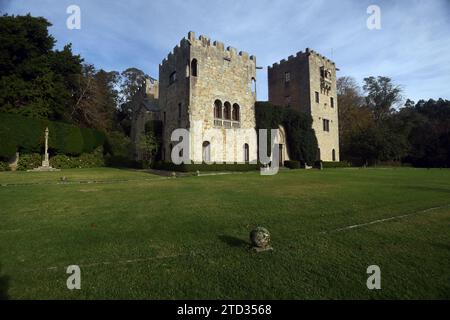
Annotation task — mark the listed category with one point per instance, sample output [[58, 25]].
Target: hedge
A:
[[293, 164], [234, 167], [335, 164], [26, 135]]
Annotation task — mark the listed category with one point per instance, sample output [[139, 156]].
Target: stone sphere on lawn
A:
[[260, 237]]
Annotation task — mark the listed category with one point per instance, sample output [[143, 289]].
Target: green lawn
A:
[[137, 235]]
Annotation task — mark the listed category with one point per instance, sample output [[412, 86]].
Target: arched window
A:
[[236, 115], [227, 111], [206, 154], [194, 68], [172, 77], [253, 85], [218, 109], [333, 154], [246, 153]]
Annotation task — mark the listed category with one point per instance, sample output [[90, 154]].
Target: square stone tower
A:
[[210, 91], [307, 83]]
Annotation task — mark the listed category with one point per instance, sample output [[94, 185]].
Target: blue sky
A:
[[412, 47]]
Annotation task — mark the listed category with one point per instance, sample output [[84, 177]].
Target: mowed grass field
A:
[[140, 236]]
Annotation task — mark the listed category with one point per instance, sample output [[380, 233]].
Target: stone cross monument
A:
[[45, 162]]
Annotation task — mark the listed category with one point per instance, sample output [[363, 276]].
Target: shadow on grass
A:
[[233, 241], [4, 286]]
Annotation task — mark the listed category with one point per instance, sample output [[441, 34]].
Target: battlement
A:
[[301, 55], [205, 41]]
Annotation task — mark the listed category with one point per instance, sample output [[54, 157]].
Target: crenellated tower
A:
[[307, 82], [209, 89]]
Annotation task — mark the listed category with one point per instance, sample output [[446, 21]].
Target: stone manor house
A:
[[211, 90]]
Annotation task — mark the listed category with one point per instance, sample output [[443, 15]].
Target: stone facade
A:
[[307, 82], [209, 90]]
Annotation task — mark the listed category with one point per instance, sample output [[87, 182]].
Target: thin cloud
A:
[[411, 47]]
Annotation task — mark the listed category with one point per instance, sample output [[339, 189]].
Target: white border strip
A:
[[384, 220]]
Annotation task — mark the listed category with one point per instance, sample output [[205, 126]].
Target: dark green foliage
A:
[[4, 166], [335, 164], [35, 80], [88, 140], [155, 127], [429, 133], [65, 137], [26, 135], [236, 167], [119, 145], [29, 161], [293, 164], [301, 138]]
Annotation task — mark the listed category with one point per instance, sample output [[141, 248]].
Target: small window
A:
[[246, 153], [287, 77], [326, 125], [332, 102], [172, 77], [253, 85], [194, 67], [317, 97], [333, 155], [236, 111], [217, 109], [179, 110], [288, 100], [227, 111], [206, 154]]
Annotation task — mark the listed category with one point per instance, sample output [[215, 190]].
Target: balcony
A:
[[227, 124]]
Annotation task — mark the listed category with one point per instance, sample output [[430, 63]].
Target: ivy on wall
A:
[[300, 136]]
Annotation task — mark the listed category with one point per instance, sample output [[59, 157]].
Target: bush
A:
[[29, 161], [4, 166], [293, 164], [119, 145], [335, 164], [85, 160], [235, 167]]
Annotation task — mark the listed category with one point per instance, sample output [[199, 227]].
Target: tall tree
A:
[[96, 98], [354, 116], [381, 96], [132, 95], [35, 79]]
